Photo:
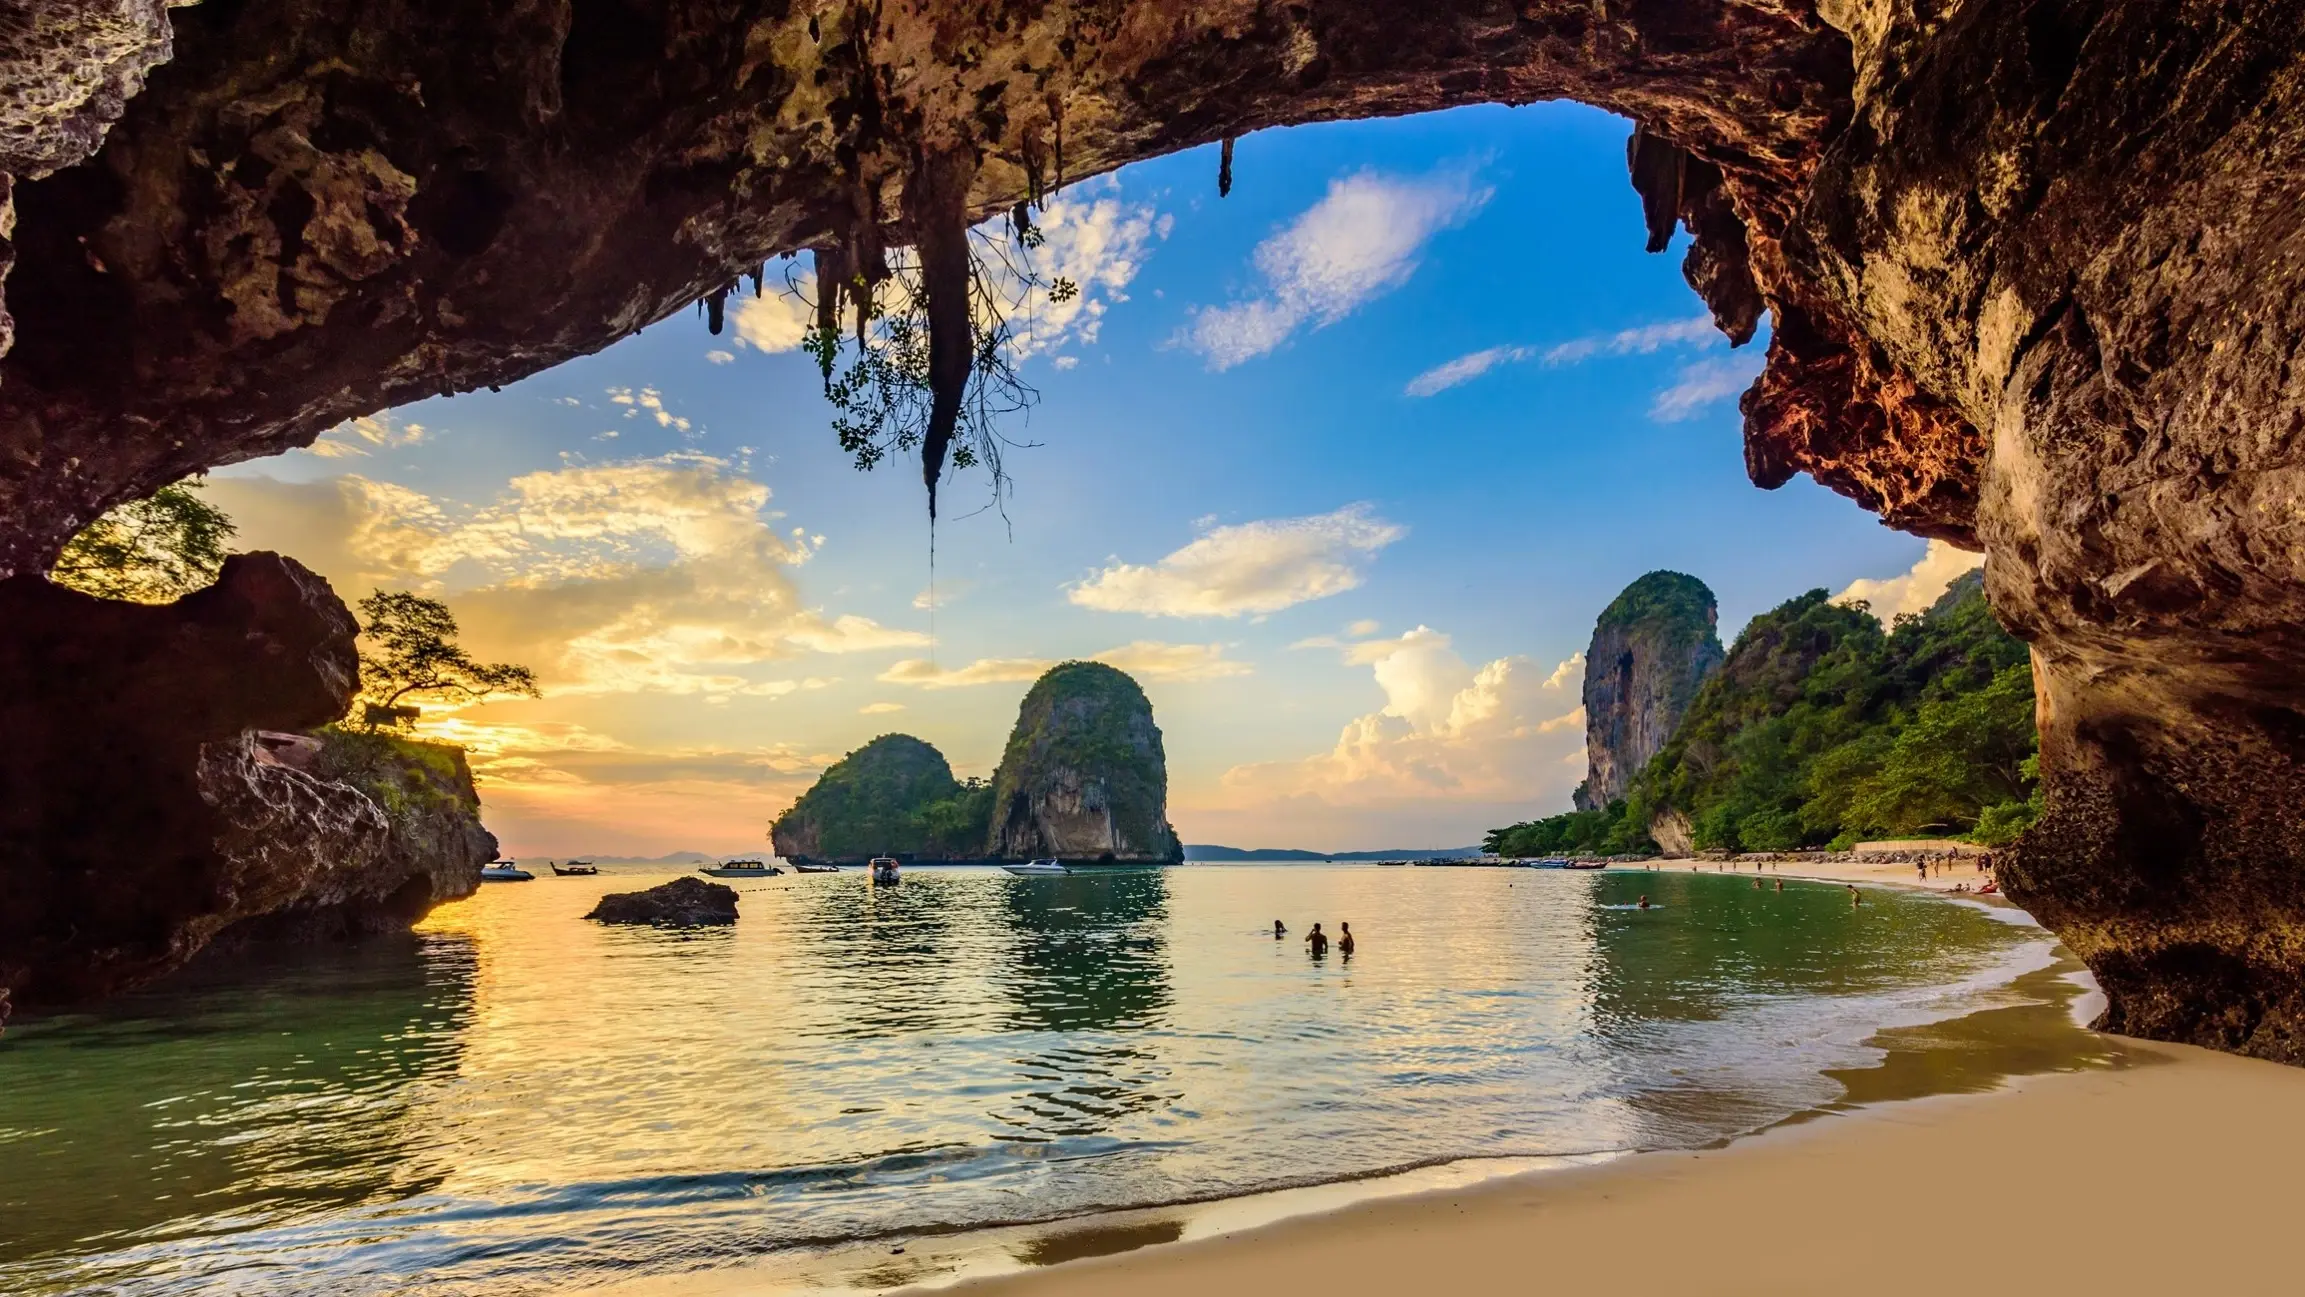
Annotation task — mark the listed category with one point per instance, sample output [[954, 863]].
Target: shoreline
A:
[[1883, 873], [2166, 1173], [2024, 1040]]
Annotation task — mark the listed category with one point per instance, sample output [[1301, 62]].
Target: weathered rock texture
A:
[[431, 851], [2032, 268], [1652, 646], [67, 70], [681, 903], [1083, 776], [137, 817]]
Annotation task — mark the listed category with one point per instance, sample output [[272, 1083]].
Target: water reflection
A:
[[1088, 952], [242, 1094], [524, 1100]]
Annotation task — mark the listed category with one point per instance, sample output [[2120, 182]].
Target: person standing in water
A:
[[1345, 940], [1280, 929], [1854, 898], [1644, 900], [1318, 940]]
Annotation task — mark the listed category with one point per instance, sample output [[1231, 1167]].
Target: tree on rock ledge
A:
[[415, 653]]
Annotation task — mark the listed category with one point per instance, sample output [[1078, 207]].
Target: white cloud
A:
[[1358, 243], [663, 575], [879, 709], [1248, 568], [1507, 732], [777, 321], [983, 671], [357, 437], [1144, 659], [1091, 235], [719, 357], [1915, 590], [1639, 340], [1701, 384], [1464, 369]]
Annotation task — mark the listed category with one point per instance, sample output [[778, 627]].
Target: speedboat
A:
[[504, 871], [885, 871], [1038, 869], [742, 869], [574, 868], [816, 869]]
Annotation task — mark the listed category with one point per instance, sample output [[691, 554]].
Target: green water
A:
[[519, 1100]]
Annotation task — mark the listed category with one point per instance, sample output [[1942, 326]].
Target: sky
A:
[[1341, 467]]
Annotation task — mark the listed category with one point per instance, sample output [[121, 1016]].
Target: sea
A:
[[965, 1065]]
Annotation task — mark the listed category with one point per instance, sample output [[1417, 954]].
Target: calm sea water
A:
[[518, 1099]]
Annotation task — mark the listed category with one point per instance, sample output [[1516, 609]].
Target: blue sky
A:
[[1354, 588]]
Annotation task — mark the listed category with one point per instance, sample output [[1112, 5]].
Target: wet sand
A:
[[2005, 1151], [2171, 1170]]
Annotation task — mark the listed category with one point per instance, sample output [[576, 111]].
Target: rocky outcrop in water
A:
[[139, 817], [2033, 274], [1652, 646], [1084, 776], [895, 796], [431, 850], [681, 903]]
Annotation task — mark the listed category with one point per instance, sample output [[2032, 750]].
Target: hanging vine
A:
[[930, 362]]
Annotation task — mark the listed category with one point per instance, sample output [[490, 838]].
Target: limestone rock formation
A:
[[432, 849], [2033, 273], [1084, 777], [681, 903], [895, 796], [1652, 646], [138, 816]]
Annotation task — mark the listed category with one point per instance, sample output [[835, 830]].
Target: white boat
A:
[[885, 870], [742, 869], [504, 871], [1038, 869]]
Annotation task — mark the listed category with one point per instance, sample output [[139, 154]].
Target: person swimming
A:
[[1318, 940], [1345, 940], [1644, 901], [1280, 929]]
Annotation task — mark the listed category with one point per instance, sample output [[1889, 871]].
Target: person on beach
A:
[[1318, 940], [1345, 940], [1280, 929]]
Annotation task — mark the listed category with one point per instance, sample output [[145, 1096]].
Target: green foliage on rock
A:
[[404, 776], [894, 796], [1822, 728], [1679, 605], [154, 550]]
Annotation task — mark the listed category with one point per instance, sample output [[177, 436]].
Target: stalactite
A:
[[938, 203], [1225, 168], [1657, 166], [759, 276], [832, 273], [1020, 224], [716, 309]]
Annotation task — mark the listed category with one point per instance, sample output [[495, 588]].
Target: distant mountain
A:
[[674, 858], [1206, 851]]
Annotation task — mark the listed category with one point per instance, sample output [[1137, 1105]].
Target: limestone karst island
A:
[[674, 649]]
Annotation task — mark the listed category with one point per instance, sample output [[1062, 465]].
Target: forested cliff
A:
[[1823, 727]]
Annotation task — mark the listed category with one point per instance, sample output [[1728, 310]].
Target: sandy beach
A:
[[2173, 1173], [1865, 873]]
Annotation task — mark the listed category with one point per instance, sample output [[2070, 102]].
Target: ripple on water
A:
[[517, 1099]]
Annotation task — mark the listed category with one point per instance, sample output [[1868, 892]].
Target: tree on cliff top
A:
[[409, 648], [154, 550]]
